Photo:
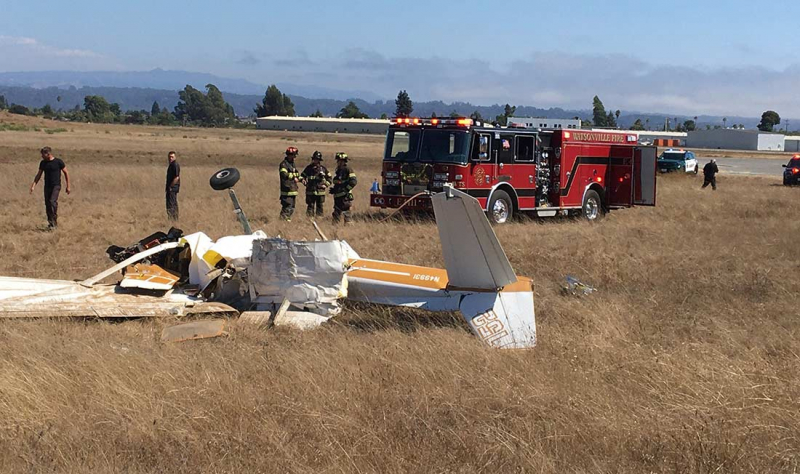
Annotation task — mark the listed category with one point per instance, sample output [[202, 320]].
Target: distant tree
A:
[[599, 116], [610, 120], [741, 126], [474, 116], [384, 116], [769, 119], [708, 127], [316, 114], [455, 114], [404, 106], [164, 118], [351, 111], [217, 112], [3, 103], [724, 122], [97, 109], [690, 125], [137, 117], [433, 114], [616, 115], [155, 109], [275, 103], [115, 110], [508, 111], [637, 125], [47, 111], [207, 110], [19, 109], [647, 123]]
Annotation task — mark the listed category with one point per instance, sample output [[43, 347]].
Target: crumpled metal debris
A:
[[575, 287]]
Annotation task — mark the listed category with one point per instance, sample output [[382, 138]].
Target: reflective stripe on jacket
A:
[[288, 175], [343, 181], [317, 179]]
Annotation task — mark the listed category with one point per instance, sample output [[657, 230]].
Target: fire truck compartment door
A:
[[644, 172], [472, 254]]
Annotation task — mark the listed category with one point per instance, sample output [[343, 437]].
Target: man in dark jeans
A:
[[173, 186], [52, 168], [710, 171]]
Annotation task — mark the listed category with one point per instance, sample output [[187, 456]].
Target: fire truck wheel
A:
[[592, 206], [500, 207]]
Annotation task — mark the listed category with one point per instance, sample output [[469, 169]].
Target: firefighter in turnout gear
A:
[[344, 180], [289, 179], [317, 180]]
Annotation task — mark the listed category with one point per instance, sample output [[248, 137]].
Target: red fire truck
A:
[[510, 170]]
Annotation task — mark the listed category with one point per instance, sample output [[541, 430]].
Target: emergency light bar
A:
[[435, 121]]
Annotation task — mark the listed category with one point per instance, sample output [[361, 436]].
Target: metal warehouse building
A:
[[322, 124], [546, 123], [730, 139], [792, 143]]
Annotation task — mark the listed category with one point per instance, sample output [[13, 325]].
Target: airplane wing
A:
[[33, 298]]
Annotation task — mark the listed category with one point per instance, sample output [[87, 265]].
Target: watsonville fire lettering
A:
[[598, 137]]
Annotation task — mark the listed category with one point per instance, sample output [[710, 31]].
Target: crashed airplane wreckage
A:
[[190, 275]]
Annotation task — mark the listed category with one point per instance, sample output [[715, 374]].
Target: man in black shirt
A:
[[710, 171], [173, 186], [52, 168]]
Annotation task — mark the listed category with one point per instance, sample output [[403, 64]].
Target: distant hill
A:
[[167, 80]]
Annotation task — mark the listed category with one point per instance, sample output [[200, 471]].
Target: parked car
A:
[[791, 175], [678, 160]]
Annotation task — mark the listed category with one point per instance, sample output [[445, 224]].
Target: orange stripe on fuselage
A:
[[412, 275], [423, 277]]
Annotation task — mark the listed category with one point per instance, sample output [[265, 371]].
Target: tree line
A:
[[209, 109]]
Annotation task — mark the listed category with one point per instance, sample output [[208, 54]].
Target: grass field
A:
[[686, 359]]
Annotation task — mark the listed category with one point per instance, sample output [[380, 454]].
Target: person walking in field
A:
[[343, 183], [317, 179], [710, 171], [173, 186], [52, 168], [289, 179]]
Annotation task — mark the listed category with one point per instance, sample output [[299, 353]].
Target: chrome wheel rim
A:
[[223, 174], [591, 209], [500, 211]]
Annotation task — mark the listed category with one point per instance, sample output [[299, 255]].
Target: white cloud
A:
[[555, 79], [32, 43], [21, 53]]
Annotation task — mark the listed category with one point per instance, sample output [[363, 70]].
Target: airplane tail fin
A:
[[478, 280], [472, 254], [499, 305]]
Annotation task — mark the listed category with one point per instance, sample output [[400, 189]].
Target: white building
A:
[[730, 139], [322, 124], [544, 123], [792, 143]]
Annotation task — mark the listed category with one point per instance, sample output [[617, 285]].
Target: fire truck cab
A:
[[511, 170]]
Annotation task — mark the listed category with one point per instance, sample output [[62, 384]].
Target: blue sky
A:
[[725, 57]]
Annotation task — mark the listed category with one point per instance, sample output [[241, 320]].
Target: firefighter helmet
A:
[[342, 156], [291, 151], [317, 156]]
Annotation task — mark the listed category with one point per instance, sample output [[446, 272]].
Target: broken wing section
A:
[[31, 298], [472, 254]]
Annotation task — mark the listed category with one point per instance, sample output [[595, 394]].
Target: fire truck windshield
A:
[[427, 146]]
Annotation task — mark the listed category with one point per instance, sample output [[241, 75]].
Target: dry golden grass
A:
[[685, 360]]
